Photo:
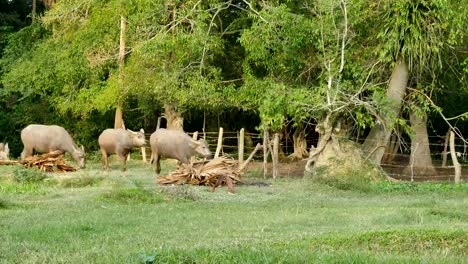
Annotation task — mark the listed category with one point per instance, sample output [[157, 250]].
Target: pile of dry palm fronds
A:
[[211, 173], [49, 162]]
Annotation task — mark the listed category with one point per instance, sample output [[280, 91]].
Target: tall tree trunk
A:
[[174, 118], [420, 162], [118, 121], [48, 3], [34, 5], [377, 140]]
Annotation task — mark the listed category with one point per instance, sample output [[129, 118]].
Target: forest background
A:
[[361, 71]]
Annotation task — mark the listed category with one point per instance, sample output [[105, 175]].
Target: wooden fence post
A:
[[241, 147], [275, 156], [444, 153], [265, 153], [455, 162], [158, 124], [220, 143], [143, 150]]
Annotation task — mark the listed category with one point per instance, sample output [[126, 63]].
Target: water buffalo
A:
[[4, 151], [43, 139], [119, 141], [174, 144]]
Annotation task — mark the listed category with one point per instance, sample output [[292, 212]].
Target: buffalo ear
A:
[[194, 143], [82, 148], [142, 130]]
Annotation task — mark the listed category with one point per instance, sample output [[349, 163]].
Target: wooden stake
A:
[[250, 157], [241, 146], [220, 143], [143, 154], [275, 156], [158, 124], [265, 153], [456, 164], [444, 153]]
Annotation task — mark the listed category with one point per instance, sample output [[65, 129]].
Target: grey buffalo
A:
[[44, 138], [119, 141], [174, 144]]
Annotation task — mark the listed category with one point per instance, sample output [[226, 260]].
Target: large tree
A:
[[414, 36], [300, 65]]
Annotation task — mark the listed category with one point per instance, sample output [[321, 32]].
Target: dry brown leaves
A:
[[210, 173]]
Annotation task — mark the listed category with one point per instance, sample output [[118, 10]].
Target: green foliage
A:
[[406, 187], [28, 175], [415, 31], [4, 204], [80, 181], [410, 241], [133, 196]]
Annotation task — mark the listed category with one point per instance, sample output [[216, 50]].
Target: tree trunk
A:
[[377, 140], [420, 161], [174, 118], [34, 5], [444, 152], [118, 121], [48, 3], [392, 149], [300, 144], [336, 157]]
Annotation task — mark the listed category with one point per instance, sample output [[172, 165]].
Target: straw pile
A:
[[49, 162], [210, 173]]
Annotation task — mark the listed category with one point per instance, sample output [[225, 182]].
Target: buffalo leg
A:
[[104, 161], [123, 157], [26, 153], [157, 164]]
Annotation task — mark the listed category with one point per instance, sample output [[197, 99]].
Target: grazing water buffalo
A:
[[43, 139], [174, 144], [4, 151], [119, 141]]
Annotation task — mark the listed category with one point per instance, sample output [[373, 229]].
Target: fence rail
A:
[[395, 164]]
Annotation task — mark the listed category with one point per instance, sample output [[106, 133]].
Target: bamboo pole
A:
[[143, 151], [275, 155], [250, 157], [158, 124], [241, 146], [220, 143], [456, 164]]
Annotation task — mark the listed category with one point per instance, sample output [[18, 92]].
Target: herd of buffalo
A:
[[172, 144]]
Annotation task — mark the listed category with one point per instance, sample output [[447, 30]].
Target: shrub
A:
[[80, 181], [133, 195], [25, 175]]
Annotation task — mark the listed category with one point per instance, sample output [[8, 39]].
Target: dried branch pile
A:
[[211, 173], [49, 162]]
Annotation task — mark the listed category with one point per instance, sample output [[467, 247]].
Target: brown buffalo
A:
[[119, 141], [174, 144], [44, 138]]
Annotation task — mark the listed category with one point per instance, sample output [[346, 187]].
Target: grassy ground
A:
[[112, 217]]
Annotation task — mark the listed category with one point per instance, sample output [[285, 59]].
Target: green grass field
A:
[[92, 216]]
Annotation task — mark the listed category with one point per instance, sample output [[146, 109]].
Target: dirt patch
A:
[[286, 169]]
